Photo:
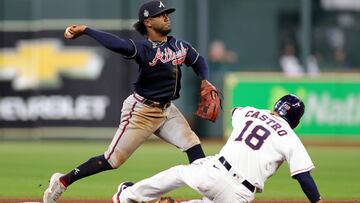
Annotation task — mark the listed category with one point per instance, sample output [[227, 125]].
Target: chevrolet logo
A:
[[38, 64]]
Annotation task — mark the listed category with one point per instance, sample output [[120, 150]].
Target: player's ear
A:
[[147, 22]]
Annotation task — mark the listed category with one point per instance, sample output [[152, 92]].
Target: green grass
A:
[[26, 167]]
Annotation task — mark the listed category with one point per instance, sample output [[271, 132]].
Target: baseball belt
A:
[[228, 166], [148, 102]]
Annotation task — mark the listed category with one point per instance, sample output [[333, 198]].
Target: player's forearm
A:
[[201, 68], [111, 41], [308, 186]]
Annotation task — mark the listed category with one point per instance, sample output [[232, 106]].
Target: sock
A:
[[195, 152], [92, 166]]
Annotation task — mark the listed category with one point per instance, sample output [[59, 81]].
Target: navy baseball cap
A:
[[153, 8]]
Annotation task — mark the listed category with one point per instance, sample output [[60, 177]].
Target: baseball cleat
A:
[[121, 187], [55, 189]]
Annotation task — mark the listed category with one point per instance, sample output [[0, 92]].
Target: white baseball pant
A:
[[207, 176]]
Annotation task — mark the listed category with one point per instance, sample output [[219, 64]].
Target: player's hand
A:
[[74, 31]]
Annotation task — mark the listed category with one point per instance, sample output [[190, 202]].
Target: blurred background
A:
[[257, 51]]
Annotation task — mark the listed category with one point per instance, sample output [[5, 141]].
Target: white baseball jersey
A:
[[260, 142]]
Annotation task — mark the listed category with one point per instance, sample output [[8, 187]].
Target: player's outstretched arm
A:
[[308, 186], [125, 47]]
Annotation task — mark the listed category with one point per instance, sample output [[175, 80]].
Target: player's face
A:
[[161, 23]]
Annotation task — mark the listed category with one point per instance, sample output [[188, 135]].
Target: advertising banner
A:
[[47, 81], [332, 101]]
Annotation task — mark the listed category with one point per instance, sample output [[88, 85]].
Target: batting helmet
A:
[[291, 108]]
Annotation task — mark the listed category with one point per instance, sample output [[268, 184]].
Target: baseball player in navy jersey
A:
[[260, 142], [148, 110]]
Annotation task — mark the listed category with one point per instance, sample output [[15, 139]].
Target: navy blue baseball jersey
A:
[[159, 63]]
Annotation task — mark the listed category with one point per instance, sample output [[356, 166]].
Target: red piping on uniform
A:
[[138, 99], [122, 132]]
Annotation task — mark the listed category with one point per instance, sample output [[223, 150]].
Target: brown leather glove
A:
[[210, 103]]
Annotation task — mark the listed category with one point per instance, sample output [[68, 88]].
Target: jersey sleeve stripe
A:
[[130, 57], [302, 170], [195, 59]]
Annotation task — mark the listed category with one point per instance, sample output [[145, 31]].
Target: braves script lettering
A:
[[167, 55]]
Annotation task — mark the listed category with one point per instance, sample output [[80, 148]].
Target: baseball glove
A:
[[210, 102]]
